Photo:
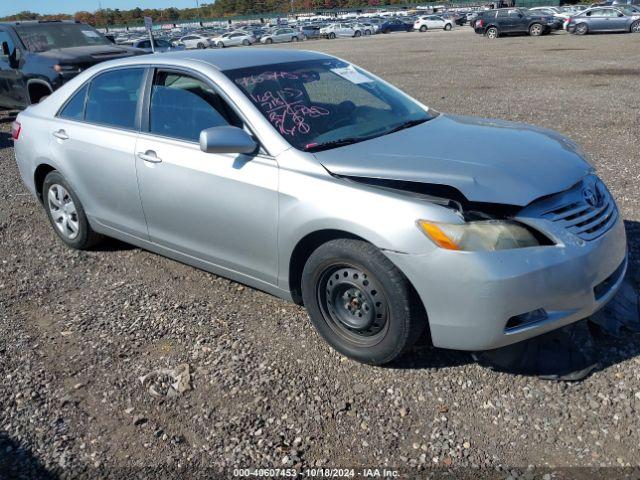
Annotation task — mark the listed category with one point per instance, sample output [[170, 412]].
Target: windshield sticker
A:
[[90, 33], [351, 74], [253, 80], [286, 111]]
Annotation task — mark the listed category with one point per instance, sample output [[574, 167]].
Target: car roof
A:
[[225, 59]]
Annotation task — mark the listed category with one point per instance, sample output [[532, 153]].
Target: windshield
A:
[[321, 104], [40, 37]]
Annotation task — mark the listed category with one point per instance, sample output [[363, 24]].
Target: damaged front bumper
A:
[[486, 300]]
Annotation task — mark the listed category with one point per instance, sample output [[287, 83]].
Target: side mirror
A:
[[226, 140], [620, 15], [5, 49]]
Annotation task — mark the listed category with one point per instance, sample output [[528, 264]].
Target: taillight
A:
[[16, 128], [479, 23]]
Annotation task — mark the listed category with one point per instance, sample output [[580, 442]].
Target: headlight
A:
[[485, 235]]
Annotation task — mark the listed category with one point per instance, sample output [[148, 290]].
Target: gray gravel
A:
[[79, 329]]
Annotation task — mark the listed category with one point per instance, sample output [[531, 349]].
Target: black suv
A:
[[503, 21], [37, 57]]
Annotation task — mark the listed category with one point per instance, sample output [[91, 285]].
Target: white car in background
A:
[[363, 28], [551, 11], [339, 30], [278, 35], [195, 41], [432, 22], [231, 39]]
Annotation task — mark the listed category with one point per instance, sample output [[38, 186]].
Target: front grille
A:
[[587, 210]]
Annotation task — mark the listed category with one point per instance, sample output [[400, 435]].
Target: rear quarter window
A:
[[113, 98], [74, 109]]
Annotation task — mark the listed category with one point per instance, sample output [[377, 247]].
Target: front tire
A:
[[332, 35], [360, 303], [536, 30], [201, 46], [635, 27], [423, 28], [220, 45], [269, 41], [357, 33], [245, 42], [447, 27], [294, 39], [66, 214]]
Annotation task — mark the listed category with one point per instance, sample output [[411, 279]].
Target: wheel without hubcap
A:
[[360, 302]]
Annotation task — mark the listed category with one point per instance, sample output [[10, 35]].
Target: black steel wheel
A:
[[360, 303], [353, 303]]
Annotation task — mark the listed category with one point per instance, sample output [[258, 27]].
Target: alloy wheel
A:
[[535, 30], [63, 211]]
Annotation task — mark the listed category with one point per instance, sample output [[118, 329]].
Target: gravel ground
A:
[[79, 329]]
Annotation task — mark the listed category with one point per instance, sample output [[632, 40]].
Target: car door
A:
[[217, 208], [617, 21], [13, 91], [93, 139], [597, 19]]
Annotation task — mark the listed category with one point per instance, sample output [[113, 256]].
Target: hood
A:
[[91, 54], [490, 161]]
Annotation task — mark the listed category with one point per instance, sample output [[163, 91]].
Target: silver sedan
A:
[[305, 176]]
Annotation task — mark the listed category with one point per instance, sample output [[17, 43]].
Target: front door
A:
[[220, 208]]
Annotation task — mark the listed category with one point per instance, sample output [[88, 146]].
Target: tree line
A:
[[219, 9]]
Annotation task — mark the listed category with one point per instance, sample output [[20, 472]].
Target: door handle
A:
[[149, 156], [61, 134]]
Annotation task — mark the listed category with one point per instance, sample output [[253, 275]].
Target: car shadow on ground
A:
[[5, 140], [571, 353], [16, 462]]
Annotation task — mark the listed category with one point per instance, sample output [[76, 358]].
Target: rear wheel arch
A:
[[38, 178]]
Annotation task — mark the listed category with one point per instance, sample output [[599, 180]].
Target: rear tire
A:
[[581, 29], [536, 30], [66, 214], [492, 32], [360, 303]]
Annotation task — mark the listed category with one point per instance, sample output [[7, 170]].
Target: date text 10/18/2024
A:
[[317, 473]]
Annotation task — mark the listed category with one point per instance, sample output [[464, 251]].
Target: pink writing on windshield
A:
[[286, 110]]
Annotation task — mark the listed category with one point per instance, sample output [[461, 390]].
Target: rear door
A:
[[93, 139]]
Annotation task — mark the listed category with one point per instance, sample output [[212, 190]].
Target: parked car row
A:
[[542, 20]]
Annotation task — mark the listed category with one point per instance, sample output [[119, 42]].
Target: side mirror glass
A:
[[226, 140]]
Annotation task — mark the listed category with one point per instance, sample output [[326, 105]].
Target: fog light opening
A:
[[525, 319]]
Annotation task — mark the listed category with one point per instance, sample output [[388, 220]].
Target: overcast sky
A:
[[8, 7]]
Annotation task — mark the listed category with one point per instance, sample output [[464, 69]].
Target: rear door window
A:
[[113, 98]]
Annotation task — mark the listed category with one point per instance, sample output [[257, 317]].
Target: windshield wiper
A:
[[407, 124], [318, 147]]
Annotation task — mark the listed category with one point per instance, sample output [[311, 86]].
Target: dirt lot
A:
[[78, 329]]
